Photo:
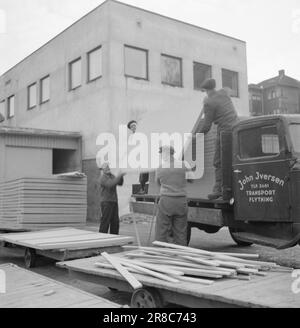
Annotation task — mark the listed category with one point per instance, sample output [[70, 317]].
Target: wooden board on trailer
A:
[[273, 291], [68, 238], [25, 289]]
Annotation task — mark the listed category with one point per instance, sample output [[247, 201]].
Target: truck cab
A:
[[265, 180], [261, 185]]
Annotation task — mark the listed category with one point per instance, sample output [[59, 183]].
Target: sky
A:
[[271, 28]]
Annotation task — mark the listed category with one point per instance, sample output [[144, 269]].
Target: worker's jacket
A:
[[108, 187], [219, 109]]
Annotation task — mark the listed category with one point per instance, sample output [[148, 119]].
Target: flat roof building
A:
[[116, 64]]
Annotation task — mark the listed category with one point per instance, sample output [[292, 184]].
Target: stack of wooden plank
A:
[[38, 203], [173, 263], [65, 238]]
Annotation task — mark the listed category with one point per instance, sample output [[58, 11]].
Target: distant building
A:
[[279, 95], [116, 64]]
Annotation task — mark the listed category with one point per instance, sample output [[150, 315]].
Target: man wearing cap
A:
[[172, 208], [218, 109], [109, 200], [144, 177], [132, 126]]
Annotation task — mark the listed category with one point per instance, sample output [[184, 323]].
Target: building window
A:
[[136, 63], [45, 89], [272, 95], [231, 81], [2, 108], [171, 71], [256, 98], [94, 64], [32, 96], [11, 107], [75, 74], [202, 72]]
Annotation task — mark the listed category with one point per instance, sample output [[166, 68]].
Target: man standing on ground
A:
[[109, 200], [172, 208], [218, 109]]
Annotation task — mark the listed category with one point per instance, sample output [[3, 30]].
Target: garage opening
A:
[[64, 161]]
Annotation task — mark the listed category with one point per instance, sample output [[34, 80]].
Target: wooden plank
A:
[[70, 239], [63, 240], [134, 283], [89, 244], [221, 291]]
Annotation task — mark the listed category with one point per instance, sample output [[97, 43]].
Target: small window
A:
[[136, 63], [94, 64], [272, 95], [75, 74], [264, 142], [202, 72], [11, 107], [171, 71], [45, 89], [32, 96], [231, 81], [2, 108]]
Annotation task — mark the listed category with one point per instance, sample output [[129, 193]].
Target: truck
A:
[[261, 184]]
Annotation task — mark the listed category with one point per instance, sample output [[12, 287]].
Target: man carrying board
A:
[[172, 176]]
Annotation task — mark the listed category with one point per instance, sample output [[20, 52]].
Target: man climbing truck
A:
[[261, 183]]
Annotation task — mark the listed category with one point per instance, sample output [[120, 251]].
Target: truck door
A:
[[261, 173]]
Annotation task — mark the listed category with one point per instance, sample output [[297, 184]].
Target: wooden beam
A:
[[135, 284]]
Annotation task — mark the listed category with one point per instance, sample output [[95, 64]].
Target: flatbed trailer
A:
[[64, 244], [25, 289], [272, 291]]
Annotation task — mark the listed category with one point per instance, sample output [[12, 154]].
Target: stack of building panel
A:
[[37, 203]]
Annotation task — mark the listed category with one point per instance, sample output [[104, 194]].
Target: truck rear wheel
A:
[[233, 233]]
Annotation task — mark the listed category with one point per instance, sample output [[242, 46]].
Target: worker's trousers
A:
[[110, 218], [171, 221], [218, 165]]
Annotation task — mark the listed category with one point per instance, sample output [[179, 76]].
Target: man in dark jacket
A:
[[109, 200], [218, 109]]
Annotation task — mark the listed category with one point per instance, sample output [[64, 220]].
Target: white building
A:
[[115, 64]]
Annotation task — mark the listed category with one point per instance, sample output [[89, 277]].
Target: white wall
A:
[[102, 105]]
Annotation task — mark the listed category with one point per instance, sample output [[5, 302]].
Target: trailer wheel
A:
[[30, 258], [236, 239], [146, 299]]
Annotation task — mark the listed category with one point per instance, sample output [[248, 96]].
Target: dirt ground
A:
[[216, 242]]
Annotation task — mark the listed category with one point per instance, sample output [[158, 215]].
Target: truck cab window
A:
[[259, 142], [295, 135]]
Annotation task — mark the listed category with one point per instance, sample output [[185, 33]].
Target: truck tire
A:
[[233, 233]]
